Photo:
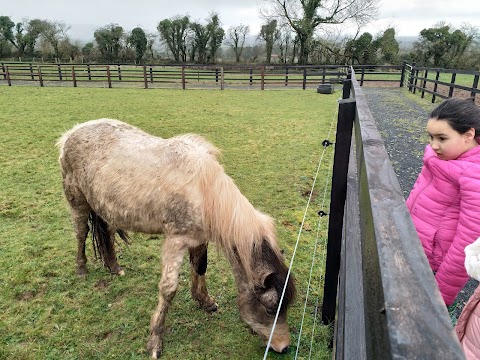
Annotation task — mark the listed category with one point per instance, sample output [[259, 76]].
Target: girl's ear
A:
[[470, 134]]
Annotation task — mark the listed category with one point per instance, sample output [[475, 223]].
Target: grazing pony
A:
[[118, 178]]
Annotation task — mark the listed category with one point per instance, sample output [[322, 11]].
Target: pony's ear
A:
[[267, 293], [267, 279]]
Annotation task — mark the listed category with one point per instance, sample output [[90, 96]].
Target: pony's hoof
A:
[[82, 271], [211, 308], [154, 348], [117, 270], [156, 354]]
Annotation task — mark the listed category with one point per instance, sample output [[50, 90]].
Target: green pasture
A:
[[271, 142], [460, 79]]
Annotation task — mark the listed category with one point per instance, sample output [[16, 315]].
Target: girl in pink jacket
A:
[[468, 324], [445, 200]]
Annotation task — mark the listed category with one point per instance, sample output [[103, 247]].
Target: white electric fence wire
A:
[[293, 255], [327, 179], [320, 280]]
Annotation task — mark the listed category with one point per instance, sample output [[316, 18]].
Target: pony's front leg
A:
[[172, 255], [198, 268]]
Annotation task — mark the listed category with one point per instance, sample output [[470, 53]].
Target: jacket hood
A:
[[472, 259]]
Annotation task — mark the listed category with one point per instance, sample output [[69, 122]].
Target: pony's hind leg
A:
[[111, 258], [173, 251], [79, 210], [80, 224], [198, 268]]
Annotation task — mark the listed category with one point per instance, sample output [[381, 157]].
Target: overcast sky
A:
[[408, 17]]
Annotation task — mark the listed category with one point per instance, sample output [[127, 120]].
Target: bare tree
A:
[[150, 42], [305, 16], [284, 43], [236, 39], [55, 33]]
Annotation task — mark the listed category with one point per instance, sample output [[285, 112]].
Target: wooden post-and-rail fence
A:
[[423, 80], [389, 306], [190, 76]]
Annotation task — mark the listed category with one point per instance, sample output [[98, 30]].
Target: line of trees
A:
[[289, 35]]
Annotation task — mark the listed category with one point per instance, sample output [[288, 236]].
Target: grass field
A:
[[271, 144], [460, 79]]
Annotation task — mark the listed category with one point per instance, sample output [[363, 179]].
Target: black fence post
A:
[[412, 74], [74, 78], [402, 76], [474, 86], [31, 72], [452, 84], [109, 77], [424, 84], [435, 87], [262, 81], [346, 117], [304, 86], [4, 72], [347, 86], [183, 78]]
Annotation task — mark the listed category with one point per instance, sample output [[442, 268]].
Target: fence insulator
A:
[[326, 143], [322, 213]]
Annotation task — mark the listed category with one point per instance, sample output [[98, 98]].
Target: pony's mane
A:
[[231, 220]]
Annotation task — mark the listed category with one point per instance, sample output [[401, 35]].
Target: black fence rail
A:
[[443, 83], [389, 306]]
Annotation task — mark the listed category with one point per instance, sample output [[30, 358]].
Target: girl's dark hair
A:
[[461, 115]]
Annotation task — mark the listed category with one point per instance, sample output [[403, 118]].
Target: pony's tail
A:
[[102, 246]]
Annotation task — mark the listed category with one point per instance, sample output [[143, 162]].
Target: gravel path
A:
[[401, 118]]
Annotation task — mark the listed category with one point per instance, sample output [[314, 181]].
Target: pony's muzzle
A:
[[280, 347], [280, 342]]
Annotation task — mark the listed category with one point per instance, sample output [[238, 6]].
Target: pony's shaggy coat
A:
[[130, 180]]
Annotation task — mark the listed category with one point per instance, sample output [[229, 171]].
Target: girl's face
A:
[[447, 142]]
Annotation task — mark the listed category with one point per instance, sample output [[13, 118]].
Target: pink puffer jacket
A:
[[468, 327], [468, 324], [445, 207]]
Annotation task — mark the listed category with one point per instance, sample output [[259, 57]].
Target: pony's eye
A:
[[270, 312]]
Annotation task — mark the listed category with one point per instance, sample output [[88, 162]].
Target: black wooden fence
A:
[[389, 306], [442, 83]]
